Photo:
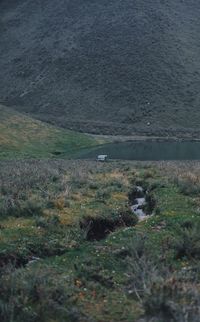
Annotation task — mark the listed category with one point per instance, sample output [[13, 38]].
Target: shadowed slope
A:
[[103, 66]]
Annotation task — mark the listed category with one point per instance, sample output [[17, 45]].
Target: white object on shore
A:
[[102, 157]]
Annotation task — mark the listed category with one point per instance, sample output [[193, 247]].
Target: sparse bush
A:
[[157, 211], [93, 186], [20, 291], [117, 184], [187, 187], [41, 222], [172, 300], [103, 194], [150, 173], [156, 185], [60, 203], [50, 222], [165, 295], [187, 224], [150, 203], [187, 242], [21, 208]]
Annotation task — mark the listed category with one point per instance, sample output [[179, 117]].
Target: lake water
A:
[[147, 150]]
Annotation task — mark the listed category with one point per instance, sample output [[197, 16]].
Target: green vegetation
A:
[[113, 67], [70, 250], [24, 137]]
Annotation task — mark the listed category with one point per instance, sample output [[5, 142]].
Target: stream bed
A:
[[139, 203]]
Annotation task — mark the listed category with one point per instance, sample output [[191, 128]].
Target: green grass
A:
[[149, 270], [24, 137]]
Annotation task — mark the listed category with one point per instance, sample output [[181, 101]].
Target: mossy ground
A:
[[147, 271]]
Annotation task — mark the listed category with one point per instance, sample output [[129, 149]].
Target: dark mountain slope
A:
[[107, 66]]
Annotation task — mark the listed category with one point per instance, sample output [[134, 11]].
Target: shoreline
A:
[[104, 139]]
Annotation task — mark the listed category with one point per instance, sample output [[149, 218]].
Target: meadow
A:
[[71, 249], [23, 137], [75, 75]]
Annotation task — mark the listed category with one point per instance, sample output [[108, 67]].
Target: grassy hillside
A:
[[25, 137], [103, 66], [53, 269]]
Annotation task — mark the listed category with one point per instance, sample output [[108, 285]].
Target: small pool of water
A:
[[147, 151]]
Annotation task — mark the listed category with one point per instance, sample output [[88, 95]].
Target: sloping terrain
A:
[[24, 137], [103, 66]]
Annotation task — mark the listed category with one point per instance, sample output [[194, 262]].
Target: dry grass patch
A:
[[17, 223]]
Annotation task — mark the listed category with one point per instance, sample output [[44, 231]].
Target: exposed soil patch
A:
[[99, 228], [13, 260], [17, 260], [142, 205]]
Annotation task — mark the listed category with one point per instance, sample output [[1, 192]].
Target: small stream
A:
[[139, 203]]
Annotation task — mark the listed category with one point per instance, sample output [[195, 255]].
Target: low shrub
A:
[[55, 297], [50, 222], [164, 294], [21, 208], [150, 203], [172, 300], [188, 188], [187, 242], [103, 194]]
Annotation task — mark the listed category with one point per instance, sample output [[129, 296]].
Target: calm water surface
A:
[[147, 150]]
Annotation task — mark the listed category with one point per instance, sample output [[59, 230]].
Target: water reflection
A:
[[148, 150]]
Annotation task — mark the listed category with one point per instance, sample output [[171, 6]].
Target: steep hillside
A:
[[116, 67], [24, 137]]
